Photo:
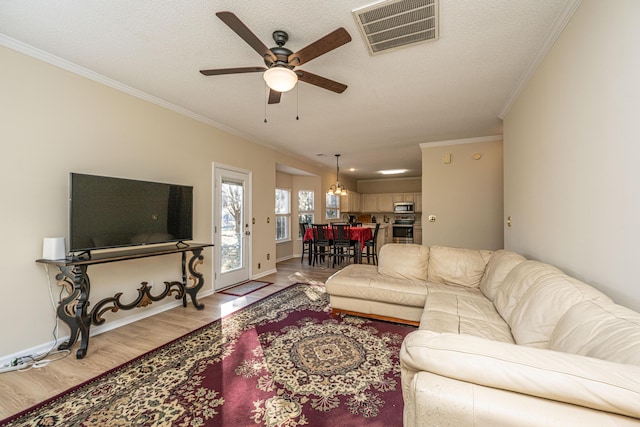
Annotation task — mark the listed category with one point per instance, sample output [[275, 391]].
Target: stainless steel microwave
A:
[[403, 207]]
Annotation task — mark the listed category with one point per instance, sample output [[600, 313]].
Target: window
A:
[[333, 206], [305, 208], [283, 214]]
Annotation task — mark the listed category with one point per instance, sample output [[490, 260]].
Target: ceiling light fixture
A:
[[336, 188], [280, 78], [393, 171]]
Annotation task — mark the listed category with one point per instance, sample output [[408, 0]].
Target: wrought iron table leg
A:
[[72, 310], [184, 279], [196, 277]]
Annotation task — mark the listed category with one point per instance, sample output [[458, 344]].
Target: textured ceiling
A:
[[452, 88]]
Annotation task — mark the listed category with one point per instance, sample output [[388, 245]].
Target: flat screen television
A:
[[107, 212]]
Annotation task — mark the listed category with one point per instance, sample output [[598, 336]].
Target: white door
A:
[[232, 225]]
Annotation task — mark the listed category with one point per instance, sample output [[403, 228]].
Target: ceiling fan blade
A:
[[274, 97], [327, 43], [221, 71], [319, 81], [245, 33]]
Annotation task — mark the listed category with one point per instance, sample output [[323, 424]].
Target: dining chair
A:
[[307, 246], [321, 242], [372, 246], [343, 247]]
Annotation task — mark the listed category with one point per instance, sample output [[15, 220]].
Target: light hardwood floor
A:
[[21, 390]]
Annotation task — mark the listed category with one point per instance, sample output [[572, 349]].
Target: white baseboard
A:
[[96, 330], [285, 258], [263, 273]]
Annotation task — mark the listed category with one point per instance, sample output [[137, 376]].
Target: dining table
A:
[[361, 234]]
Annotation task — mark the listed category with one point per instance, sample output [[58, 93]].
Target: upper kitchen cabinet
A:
[[377, 202], [385, 202], [351, 202], [403, 197], [417, 202], [369, 203]]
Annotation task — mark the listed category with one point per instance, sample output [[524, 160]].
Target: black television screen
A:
[[107, 212]]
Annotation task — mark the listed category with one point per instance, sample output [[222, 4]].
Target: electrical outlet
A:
[[258, 266], [268, 257]]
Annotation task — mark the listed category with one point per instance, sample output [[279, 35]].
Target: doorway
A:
[[231, 225]]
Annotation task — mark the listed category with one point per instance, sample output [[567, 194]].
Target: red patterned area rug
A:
[[281, 362]]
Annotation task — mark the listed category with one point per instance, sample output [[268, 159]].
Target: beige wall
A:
[[572, 139], [465, 195], [53, 122], [392, 185]]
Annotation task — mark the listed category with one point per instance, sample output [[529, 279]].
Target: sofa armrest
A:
[[563, 377]]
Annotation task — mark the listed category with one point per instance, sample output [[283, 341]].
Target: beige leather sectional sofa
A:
[[502, 341]]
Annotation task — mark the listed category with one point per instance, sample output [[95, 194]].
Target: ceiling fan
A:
[[280, 61]]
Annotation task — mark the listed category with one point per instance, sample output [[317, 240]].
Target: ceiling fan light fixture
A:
[[280, 78]]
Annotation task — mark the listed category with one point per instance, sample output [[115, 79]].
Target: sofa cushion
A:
[[472, 306], [601, 330], [362, 281], [471, 314], [404, 261], [499, 265], [455, 290], [535, 296], [457, 266], [442, 322], [358, 275]]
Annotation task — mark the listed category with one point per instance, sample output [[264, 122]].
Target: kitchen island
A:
[[384, 234]]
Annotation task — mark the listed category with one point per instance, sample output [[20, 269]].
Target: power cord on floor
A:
[[25, 363]]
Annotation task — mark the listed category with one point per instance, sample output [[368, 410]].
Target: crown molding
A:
[[491, 138], [395, 178], [554, 33]]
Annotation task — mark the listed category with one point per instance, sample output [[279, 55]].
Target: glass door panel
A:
[[232, 230]]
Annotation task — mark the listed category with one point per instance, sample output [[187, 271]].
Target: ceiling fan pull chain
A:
[[297, 102], [266, 91]]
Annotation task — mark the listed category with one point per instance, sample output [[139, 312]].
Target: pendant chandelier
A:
[[336, 188]]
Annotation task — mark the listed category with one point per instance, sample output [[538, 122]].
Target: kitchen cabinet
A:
[[417, 201], [370, 203], [387, 235], [417, 235], [383, 202], [377, 203], [350, 202], [403, 197]]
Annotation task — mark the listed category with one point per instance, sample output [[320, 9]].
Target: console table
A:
[[74, 308]]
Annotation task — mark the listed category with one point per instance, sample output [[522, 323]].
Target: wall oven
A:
[[402, 229], [402, 233]]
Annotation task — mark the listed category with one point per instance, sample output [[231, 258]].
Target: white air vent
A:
[[391, 24]]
